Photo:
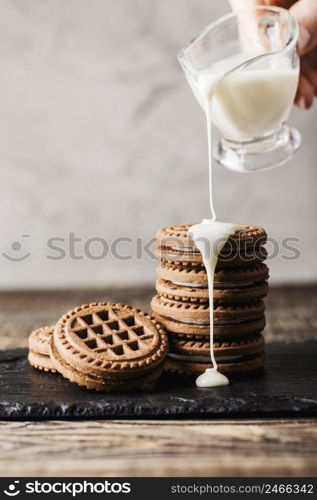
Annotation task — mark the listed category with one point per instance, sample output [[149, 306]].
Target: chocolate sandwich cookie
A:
[[108, 347], [239, 276], [245, 246], [176, 237], [223, 350], [237, 257], [199, 312], [226, 295], [39, 351], [232, 357], [222, 329], [179, 274]]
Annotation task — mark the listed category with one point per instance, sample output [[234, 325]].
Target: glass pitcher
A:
[[244, 70]]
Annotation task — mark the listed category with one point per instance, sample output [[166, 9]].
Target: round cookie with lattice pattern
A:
[[39, 350], [109, 347]]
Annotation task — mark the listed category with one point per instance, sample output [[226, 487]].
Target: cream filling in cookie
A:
[[194, 251], [203, 359], [220, 322], [218, 286], [184, 249], [191, 322], [190, 285]]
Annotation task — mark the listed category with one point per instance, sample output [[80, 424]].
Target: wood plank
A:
[[159, 448]]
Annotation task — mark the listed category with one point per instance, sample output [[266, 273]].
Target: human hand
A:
[[305, 12]]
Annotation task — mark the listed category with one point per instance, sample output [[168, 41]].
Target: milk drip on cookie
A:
[[210, 237]]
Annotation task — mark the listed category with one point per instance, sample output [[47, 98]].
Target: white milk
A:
[[210, 237], [247, 103]]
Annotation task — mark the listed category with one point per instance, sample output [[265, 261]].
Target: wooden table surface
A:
[[156, 447]]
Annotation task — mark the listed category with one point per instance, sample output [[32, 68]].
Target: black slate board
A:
[[287, 388]]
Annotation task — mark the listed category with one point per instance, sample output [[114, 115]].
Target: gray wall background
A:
[[100, 136]]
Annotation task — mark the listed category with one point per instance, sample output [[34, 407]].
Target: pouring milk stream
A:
[[225, 103], [210, 237]]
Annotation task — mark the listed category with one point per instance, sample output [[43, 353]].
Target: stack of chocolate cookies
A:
[[182, 304]]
